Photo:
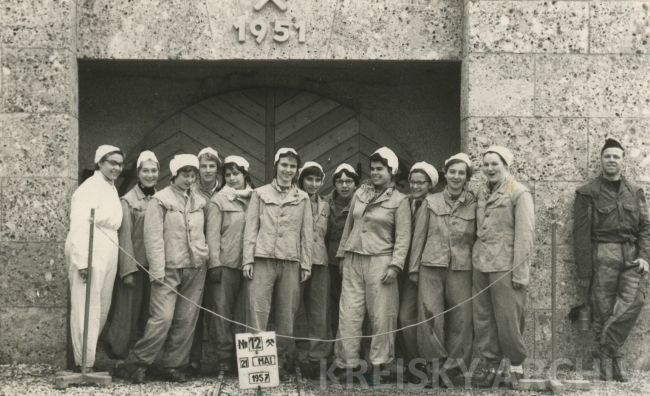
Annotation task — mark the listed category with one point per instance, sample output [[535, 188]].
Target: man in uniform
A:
[[612, 247]]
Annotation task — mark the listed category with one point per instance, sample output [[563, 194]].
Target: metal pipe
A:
[[553, 296], [88, 281]]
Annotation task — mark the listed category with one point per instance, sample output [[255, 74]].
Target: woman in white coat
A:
[[99, 193]]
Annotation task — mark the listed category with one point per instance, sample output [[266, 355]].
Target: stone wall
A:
[[38, 163], [548, 79], [552, 80]]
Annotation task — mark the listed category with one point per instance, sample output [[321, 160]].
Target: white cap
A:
[[347, 167], [503, 152], [147, 156], [237, 160], [428, 169], [208, 150], [390, 157], [181, 160], [310, 164], [282, 151], [103, 150], [462, 157]]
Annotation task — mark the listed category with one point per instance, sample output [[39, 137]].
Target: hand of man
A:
[[83, 273], [414, 277], [389, 276], [304, 275], [129, 281], [516, 285], [215, 274], [584, 282], [643, 266], [248, 271]]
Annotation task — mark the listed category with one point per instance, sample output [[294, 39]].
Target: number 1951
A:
[[259, 27]]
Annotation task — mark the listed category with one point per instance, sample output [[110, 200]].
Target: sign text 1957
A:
[[281, 30]]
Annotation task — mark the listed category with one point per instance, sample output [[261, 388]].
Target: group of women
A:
[[365, 259]]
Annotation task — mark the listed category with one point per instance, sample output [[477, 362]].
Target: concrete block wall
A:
[[38, 161], [552, 80]]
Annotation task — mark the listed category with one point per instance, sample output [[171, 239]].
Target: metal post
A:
[[553, 295], [88, 281]]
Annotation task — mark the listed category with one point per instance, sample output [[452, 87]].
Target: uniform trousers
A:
[[363, 291], [499, 318], [316, 296], [172, 320], [275, 283], [228, 298], [130, 315]]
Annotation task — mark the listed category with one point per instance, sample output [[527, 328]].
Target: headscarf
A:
[[429, 169], [462, 157], [237, 160], [146, 156], [283, 151], [503, 152], [390, 157], [347, 167], [103, 150], [310, 164], [181, 160]]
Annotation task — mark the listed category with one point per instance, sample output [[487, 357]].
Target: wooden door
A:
[[254, 123]]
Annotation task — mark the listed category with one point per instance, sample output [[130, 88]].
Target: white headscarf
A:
[[208, 150], [310, 164], [103, 150], [347, 167], [181, 160], [283, 151], [146, 156], [237, 160], [390, 157], [429, 169], [462, 157], [503, 152]]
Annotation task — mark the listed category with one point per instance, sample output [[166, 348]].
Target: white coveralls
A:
[[100, 194]]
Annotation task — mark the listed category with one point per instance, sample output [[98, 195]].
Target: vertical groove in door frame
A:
[[269, 140]]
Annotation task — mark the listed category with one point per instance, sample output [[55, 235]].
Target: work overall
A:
[[177, 252], [612, 229], [505, 220], [100, 194], [225, 235], [277, 240], [376, 237], [131, 304], [441, 255]]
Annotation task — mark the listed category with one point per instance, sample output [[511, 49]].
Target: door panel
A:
[[246, 122]]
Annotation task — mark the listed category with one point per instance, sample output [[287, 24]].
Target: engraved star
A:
[[279, 3]]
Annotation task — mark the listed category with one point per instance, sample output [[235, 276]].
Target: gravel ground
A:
[[37, 380]]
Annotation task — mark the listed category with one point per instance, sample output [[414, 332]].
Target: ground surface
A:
[[37, 380]]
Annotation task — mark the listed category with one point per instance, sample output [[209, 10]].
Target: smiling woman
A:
[[97, 193]]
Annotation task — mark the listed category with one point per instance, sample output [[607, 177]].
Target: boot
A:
[[604, 358], [489, 379], [139, 375], [175, 375], [618, 370]]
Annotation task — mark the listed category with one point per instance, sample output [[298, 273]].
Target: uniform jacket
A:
[[205, 193], [131, 233], [279, 227], [445, 232], [320, 219], [505, 236], [173, 231], [225, 228], [336, 224], [99, 194], [602, 214], [378, 227]]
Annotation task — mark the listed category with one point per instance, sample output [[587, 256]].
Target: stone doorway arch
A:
[[254, 123]]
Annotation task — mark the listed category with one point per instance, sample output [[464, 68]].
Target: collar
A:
[[208, 190], [180, 191], [100, 175], [233, 194], [275, 185], [461, 198]]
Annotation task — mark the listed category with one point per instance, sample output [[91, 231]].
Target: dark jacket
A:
[[602, 214]]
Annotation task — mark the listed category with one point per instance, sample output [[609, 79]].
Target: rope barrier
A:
[[341, 338]]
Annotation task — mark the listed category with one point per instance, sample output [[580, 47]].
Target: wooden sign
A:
[[257, 360]]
